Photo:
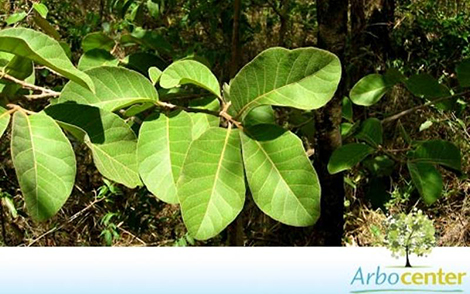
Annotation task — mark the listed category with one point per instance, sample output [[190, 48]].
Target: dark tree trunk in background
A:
[[235, 61], [332, 35], [371, 25], [380, 25], [284, 18], [235, 233]]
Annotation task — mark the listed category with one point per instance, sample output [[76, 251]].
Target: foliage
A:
[[148, 100], [205, 174]]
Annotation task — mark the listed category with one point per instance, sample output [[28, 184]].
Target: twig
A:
[[45, 93], [14, 108], [223, 113], [71, 219], [413, 109], [132, 235]]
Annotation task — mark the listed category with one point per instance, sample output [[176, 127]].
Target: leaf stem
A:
[[15, 107], [45, 93], [223, 113]]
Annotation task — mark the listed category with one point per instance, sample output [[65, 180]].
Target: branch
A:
[[45, 93], [223, 113], [413, 109], [14, 108]]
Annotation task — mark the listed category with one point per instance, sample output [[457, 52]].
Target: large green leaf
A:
[[44, 50], [116, 88], [371, 132], [463, 73], [201, 121], [96, 58], [370, 89], [111, 140], [211, 188], [282, 180], [347, 156], [427, 180], [4, 120], [163, 143], [190, 72], [303, 78], [438, 152], [44, 162]]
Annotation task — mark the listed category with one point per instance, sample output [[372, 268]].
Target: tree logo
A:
[[409, 233]]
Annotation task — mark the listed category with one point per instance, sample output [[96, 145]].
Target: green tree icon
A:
[[409, 233]]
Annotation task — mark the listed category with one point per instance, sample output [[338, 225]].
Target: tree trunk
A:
[[332, 34], [407, 258], [284, 19], [235, 61]]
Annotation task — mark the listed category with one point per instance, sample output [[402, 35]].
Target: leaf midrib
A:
[[219, 165], [282, 177], [33, 151]]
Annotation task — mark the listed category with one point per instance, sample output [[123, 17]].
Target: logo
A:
[[407, 234]]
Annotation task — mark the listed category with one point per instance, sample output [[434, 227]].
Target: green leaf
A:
[[463, 73], [41, 9], [371, 132], [426, 125], [263, 114], [116, 88], [46, 27], [211, 188], [164, 141], [425, 86], [370, 89], [44, 50], [438, 152], [4, 120], [97, 40], [10, 205], [394, 76], [44, 162], [282, 180], [427, 180], [201, 121], [111, 140], [304, 78], [154, 74], [347, 109], [346, 129], [347, 156], [153, 8], [190, 72], [96, 58], [137, 14], [16, 17]]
